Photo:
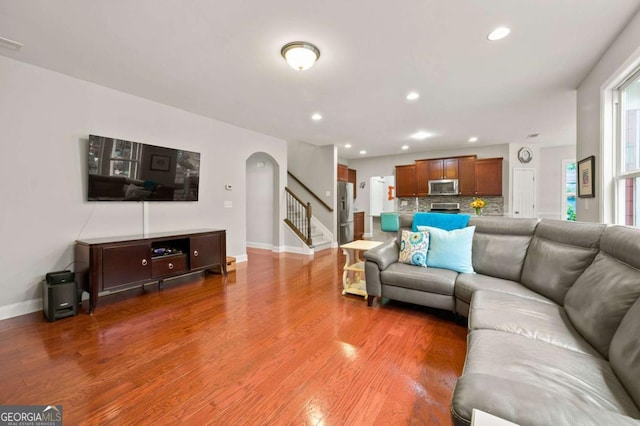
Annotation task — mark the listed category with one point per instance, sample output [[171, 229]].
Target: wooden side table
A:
[[353, 276]]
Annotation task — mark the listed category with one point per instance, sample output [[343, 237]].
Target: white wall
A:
[[261, 174], [592, 132], [45, 120]]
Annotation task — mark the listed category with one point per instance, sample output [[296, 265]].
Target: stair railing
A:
[[313, 194], [298, 216]]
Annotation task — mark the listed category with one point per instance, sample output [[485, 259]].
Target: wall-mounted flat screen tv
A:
[[122, 170]]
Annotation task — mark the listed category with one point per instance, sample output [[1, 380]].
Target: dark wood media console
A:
[[122, 263]]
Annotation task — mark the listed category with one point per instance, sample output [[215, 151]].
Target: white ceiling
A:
[[221, 59]]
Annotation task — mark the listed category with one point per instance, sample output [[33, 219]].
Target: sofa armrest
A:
[[383, 255]]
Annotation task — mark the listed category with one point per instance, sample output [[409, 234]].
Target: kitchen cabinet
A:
[[488, 177], [353, 178], [422, 178], [467, 176], [358, 226], [343, 173], [406, 181], [443, 168]]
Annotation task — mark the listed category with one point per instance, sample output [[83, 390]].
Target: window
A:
[[628, 144], [569, 169]]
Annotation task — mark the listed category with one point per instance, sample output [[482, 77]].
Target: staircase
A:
[[304, 225], [320, 241]]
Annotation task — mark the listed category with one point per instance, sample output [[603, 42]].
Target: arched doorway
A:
[[263, 200]]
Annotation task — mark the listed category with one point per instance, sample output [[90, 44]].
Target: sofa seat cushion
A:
[[547, 322], [431, 280], [526, 404], [531, 382], [467, 284]]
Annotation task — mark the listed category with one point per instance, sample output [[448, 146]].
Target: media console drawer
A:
[[122, 263], [168, 265]]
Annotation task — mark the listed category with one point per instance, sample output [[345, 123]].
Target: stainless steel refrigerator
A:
[[345, 212]]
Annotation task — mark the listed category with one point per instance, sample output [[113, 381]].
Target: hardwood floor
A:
[[276, 343]]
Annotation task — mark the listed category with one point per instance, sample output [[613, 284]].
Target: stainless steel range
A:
[[452, 208]]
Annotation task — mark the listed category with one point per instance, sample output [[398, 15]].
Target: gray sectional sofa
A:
[[553, 315]]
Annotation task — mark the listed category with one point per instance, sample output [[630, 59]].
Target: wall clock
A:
[[524, 155]]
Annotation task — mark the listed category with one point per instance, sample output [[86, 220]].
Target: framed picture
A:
[[586, 177], [161, 163]]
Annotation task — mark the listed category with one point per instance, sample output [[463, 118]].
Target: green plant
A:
[[571, 213]]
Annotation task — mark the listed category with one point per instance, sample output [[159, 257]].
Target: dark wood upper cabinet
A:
[[475, 176], [488, 176], [343, 173], [353, 178], [467, 175], [406, 181], [422, 178], [443, 168]]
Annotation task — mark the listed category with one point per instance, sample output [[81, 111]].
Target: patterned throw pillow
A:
[[413, 248]]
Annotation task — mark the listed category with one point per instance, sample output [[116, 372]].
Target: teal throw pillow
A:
[[413, 248], [450, 249]]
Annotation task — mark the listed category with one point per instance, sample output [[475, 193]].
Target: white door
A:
[[524, 192]]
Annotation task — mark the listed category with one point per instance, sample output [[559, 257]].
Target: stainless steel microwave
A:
[[443, 187]]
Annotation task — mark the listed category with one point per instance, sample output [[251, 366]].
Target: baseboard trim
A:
[[280, 249], [264, 246], [21, 308]]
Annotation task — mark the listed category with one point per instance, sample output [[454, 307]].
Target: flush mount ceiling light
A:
[[405, 147], [363, 152], [347, 145], [473, 139], [499, 33], [300, 55], [316, 117]]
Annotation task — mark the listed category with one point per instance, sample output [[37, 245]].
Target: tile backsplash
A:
[[494, 207]]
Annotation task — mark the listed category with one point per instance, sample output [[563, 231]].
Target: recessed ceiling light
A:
[[499, 33], [405, 147], [421, 135], [316, 117], [473, 139], [412, 96], [347, 145], [533, 135], [363, 152]]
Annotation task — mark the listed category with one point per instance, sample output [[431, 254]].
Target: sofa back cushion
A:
[[500, 245], [624, 352], [559, 253], [606, 290], [405, 223]]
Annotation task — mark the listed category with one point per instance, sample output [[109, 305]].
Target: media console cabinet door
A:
[[124, 264], [205, 251]]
